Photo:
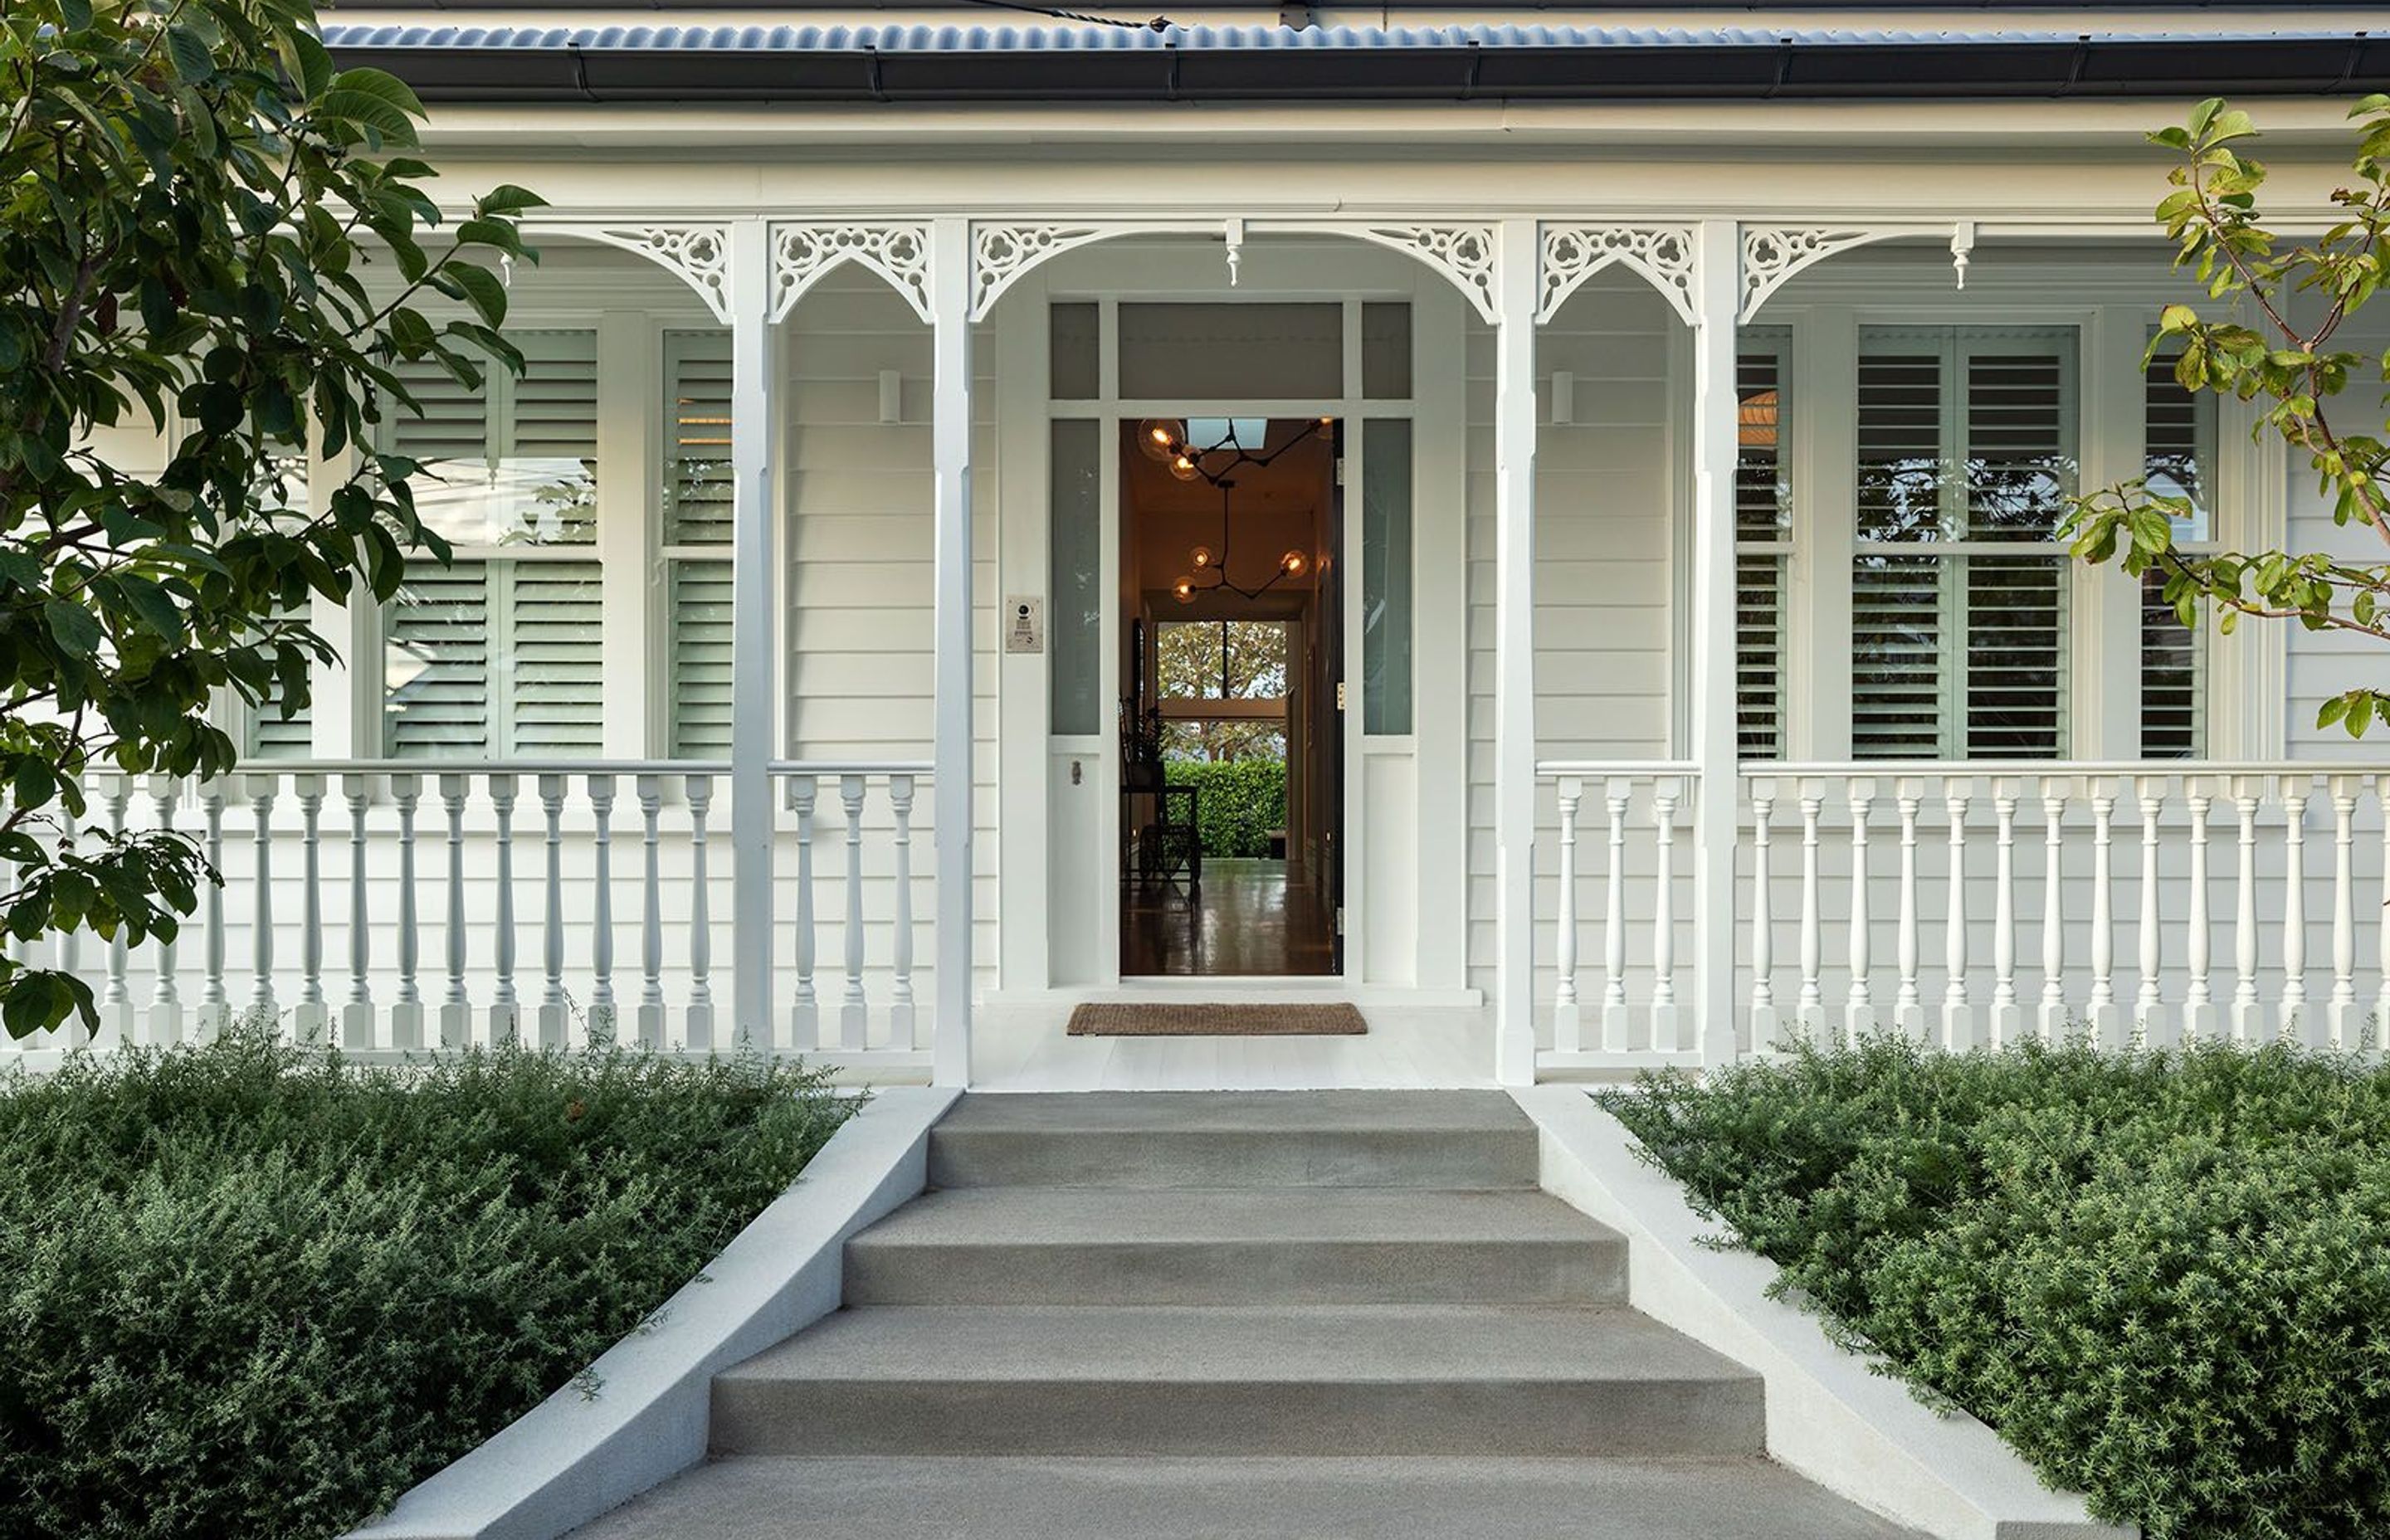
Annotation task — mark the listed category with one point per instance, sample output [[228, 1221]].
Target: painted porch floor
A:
[[1024, 1049]]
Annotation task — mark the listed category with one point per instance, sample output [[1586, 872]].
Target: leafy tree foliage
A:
[[1199, 661], [189, 190], [2276, 342]]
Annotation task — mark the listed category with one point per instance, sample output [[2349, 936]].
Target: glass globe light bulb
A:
[[1200, 556], [1183, 590], [1158, 437], [1293, 563], [1185, 469]]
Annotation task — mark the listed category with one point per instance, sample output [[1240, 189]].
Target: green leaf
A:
[[507, 199], [482, 290], [192, 61], [379, 85], [77, 632]]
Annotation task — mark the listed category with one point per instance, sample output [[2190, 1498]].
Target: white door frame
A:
[[1025, 410]]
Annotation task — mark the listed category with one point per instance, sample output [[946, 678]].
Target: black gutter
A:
[[1726, 72]]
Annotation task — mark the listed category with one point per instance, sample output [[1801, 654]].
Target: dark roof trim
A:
[[930, 64]]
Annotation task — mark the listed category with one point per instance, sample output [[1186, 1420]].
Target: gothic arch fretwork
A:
[[1569, 254], [803, 253]]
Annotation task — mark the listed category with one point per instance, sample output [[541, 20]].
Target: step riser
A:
[[1291, 1158], [1264, 1272], [1629, 1418]]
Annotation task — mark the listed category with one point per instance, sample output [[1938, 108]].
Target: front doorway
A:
[[1231, 759]]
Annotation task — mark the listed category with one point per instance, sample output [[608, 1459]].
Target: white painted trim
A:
[[951, 789], [1233, 988], [754, 623], [1710, 743], [1024, 704], [1440, 606], [1514, 655], [575, 1456], [633, 638], [1666, 256], [805, 254], [698, 254], [2105, 649], [1829, 1416], [1824, 410]]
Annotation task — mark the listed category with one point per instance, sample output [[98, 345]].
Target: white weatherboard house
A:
[[1643, 429]]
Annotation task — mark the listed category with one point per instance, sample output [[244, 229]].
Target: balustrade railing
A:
[[1624, 1007], [2028, 940], [2141, 902], [437, 927]]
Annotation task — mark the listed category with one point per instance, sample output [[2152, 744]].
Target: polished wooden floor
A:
[[1248, 919]]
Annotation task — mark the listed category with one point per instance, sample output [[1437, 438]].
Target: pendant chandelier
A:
[[1165, 441]]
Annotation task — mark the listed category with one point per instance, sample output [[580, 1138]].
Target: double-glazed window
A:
[[497, 654], [1958, 589]]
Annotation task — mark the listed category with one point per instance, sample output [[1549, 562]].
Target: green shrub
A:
[[2164, 1278], [259, 1292], [1239, 801]]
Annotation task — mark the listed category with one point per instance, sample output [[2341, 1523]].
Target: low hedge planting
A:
[[1237, 802], [256, 1292], [2163, 1277]]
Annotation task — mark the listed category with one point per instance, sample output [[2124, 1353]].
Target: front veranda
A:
[[1700, 565]]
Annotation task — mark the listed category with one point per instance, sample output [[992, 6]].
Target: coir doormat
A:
[[1216, 1021]]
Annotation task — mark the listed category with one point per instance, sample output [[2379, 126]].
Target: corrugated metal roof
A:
[[1041, 39], [1090, 63]]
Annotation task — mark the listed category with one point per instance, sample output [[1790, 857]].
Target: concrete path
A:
[[1290, 1313]]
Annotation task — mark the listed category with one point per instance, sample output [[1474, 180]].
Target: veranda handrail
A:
[[1551, 768], [471, 768], [1791, 768]]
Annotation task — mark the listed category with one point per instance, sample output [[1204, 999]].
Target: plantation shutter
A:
[[700, 659], [1966, 445], [697, 539], [2177, 461], [1763, 545], [436, 664], [499, 654], [1896, 621], [281, 488], [697, 433]]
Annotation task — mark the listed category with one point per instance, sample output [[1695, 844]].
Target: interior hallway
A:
[[1249, 917]]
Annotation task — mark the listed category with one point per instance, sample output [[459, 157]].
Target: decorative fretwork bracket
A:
[[1465, 254], [1666, 255], [803, 253], [700, 254], [1002, 254], [1773, 255]]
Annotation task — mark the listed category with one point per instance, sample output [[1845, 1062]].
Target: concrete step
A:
[[1444, 1139], [1411, 1498], [1268, 1246], [1277, 1379]]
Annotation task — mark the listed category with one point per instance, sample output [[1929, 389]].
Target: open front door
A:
[[1329, 711]]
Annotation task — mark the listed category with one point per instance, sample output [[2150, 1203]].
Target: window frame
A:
[[498, 561], [1783, 550], [1957, 342]]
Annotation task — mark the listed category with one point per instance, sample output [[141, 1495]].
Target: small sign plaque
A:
[[1024, 623]]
